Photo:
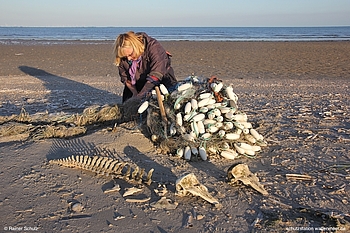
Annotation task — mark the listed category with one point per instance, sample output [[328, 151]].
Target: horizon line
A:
[[179, 26]]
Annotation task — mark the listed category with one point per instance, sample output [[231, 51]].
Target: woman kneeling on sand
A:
[[143, 63]]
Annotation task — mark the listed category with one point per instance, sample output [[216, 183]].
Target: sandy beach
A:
[[295, 93], [225, 59]]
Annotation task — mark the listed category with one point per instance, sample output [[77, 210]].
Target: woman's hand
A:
[[131, 87], [146, 89]]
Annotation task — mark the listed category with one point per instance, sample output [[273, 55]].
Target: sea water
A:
[[101, 34]]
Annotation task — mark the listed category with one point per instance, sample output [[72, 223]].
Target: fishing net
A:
[[44, 125]]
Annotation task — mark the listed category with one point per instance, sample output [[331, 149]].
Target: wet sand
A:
[[225, 59]]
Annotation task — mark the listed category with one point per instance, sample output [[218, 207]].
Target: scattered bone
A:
[[338, 191], [114, 189], [161, 190], [258, 219], [189, 221], [149, 177], [189, 184], [22, 211], [131, 191], [164, 203], [241, 172], [137, 200], [278, 202], [119, 217], [299, 177], [311, 137], [77, 207]]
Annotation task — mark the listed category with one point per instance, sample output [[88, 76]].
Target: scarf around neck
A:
[[132, 70]]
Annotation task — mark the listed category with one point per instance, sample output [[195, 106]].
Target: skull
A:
[[189, 184], [241, 172]]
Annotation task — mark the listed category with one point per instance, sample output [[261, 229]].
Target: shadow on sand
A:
[[66, 94]]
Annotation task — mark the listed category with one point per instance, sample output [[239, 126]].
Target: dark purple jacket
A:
[[155, 62]]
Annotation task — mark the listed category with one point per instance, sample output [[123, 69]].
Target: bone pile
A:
[[203, 120]]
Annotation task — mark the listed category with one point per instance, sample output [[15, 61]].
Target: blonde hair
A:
[[128, 40]]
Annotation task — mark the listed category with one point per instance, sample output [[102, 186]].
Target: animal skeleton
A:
[[106, 166]]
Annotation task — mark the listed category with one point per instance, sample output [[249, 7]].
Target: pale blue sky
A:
[[155, 13]]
